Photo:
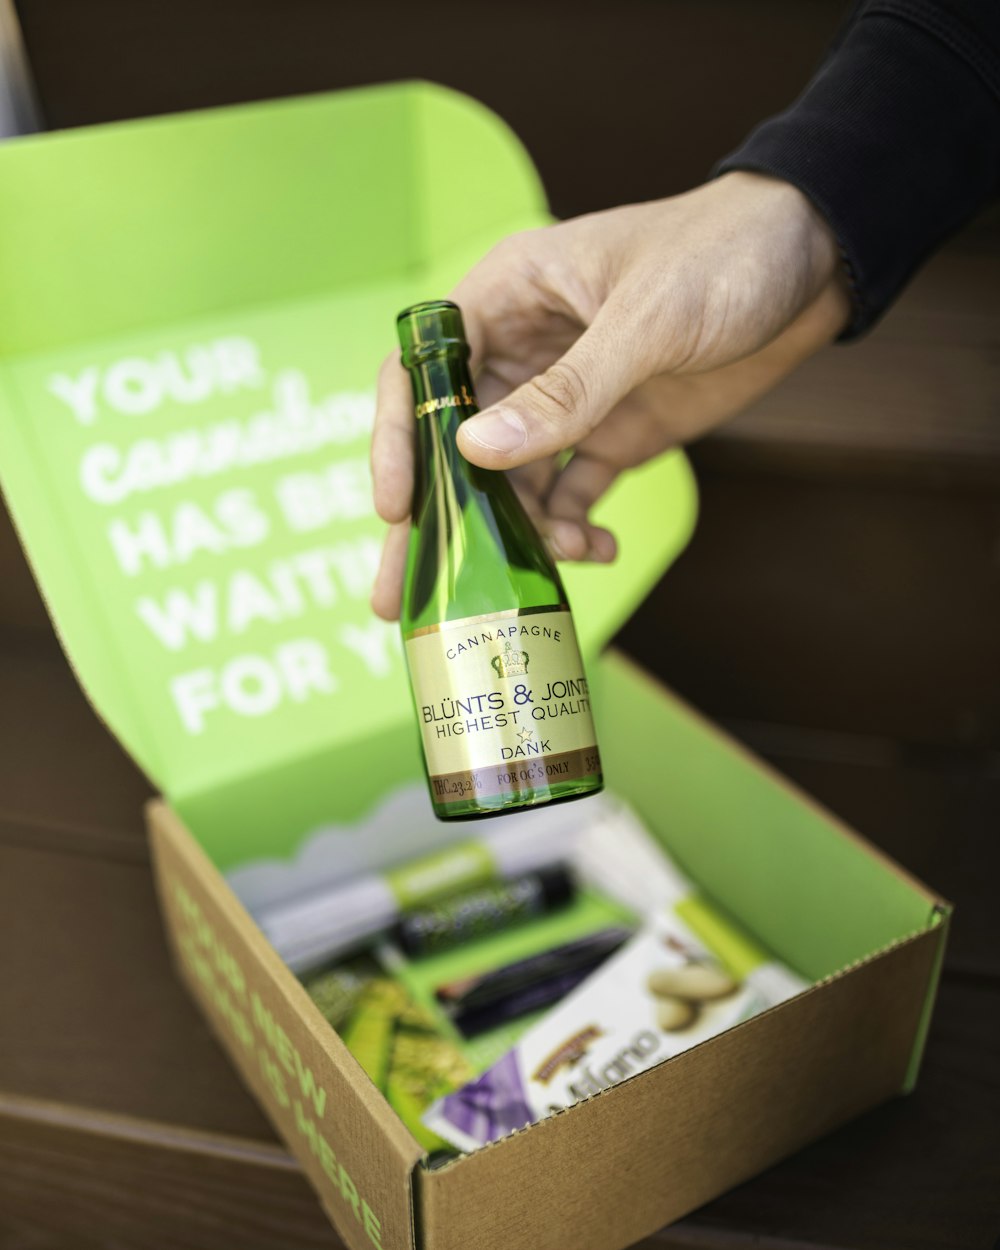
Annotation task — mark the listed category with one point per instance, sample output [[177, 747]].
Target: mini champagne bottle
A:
[[501, 697]]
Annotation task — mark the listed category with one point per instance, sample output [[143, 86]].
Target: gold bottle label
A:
[[503, 704]]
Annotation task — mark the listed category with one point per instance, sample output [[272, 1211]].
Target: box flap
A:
[[194, 311]]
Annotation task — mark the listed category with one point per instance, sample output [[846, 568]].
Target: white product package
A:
[[663, 992]]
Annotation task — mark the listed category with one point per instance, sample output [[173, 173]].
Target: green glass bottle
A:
[[498, 684]]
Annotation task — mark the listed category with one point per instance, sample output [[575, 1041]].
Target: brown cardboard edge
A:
[[419, 1173], [160, 813], [937, 923], [169, 837], [922, 949], [127, 1128], [940, 909], [802, 797], [941, 919]]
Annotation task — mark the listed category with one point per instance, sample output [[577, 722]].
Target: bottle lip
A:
[[428, 305], [431, 328]]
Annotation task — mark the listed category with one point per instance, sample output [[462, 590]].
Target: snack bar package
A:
[[662, 993]]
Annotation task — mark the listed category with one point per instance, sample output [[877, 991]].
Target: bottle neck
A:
[[443, 396], [472, 545], [441, 385]]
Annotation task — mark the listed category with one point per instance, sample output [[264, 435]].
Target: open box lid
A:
[[194, 310]]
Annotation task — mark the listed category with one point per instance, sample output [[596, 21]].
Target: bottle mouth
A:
[[429, 306], [431, 328]]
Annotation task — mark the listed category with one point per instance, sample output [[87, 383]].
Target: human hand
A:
[[619, 335]]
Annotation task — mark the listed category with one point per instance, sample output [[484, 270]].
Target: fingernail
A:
[[565, 540], [499, 430], [554, 547]]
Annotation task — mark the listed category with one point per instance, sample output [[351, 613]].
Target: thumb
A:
[[558, 408]]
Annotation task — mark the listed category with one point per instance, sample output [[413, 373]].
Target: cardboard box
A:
[[194, 310]]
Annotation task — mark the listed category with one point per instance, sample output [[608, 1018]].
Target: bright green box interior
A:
[[194, 311], [803, 885]]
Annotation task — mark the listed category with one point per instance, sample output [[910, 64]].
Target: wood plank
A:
[[129, 1183], [918, 397], [921, 1172], [21, 605], [859, 606], [91, 1012], [935, 812], [59, 765], [610, 88]]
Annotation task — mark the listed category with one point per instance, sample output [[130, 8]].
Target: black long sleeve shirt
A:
[[896, 140]]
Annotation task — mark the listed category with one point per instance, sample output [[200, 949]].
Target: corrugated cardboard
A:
[[351, 1144], [616, 1167]]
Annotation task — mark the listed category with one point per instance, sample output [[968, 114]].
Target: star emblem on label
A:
[[525, 734]]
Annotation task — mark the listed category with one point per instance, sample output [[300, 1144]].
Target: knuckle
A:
[[523, 254], [507, 251], [562, 389]]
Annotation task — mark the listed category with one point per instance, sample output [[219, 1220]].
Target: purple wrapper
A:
[[491, 1106]]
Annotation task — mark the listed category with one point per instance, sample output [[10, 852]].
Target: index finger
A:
[[488, 294], [392, 442], [467, 296]]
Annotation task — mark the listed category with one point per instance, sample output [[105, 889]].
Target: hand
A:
[[619, 335]]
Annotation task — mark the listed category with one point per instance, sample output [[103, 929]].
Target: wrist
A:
[[801, 224], [798, 232]]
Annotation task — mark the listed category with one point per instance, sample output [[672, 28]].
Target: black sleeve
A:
[[896, 140]]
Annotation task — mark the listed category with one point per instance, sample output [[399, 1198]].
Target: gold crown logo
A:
[[511, 663]]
